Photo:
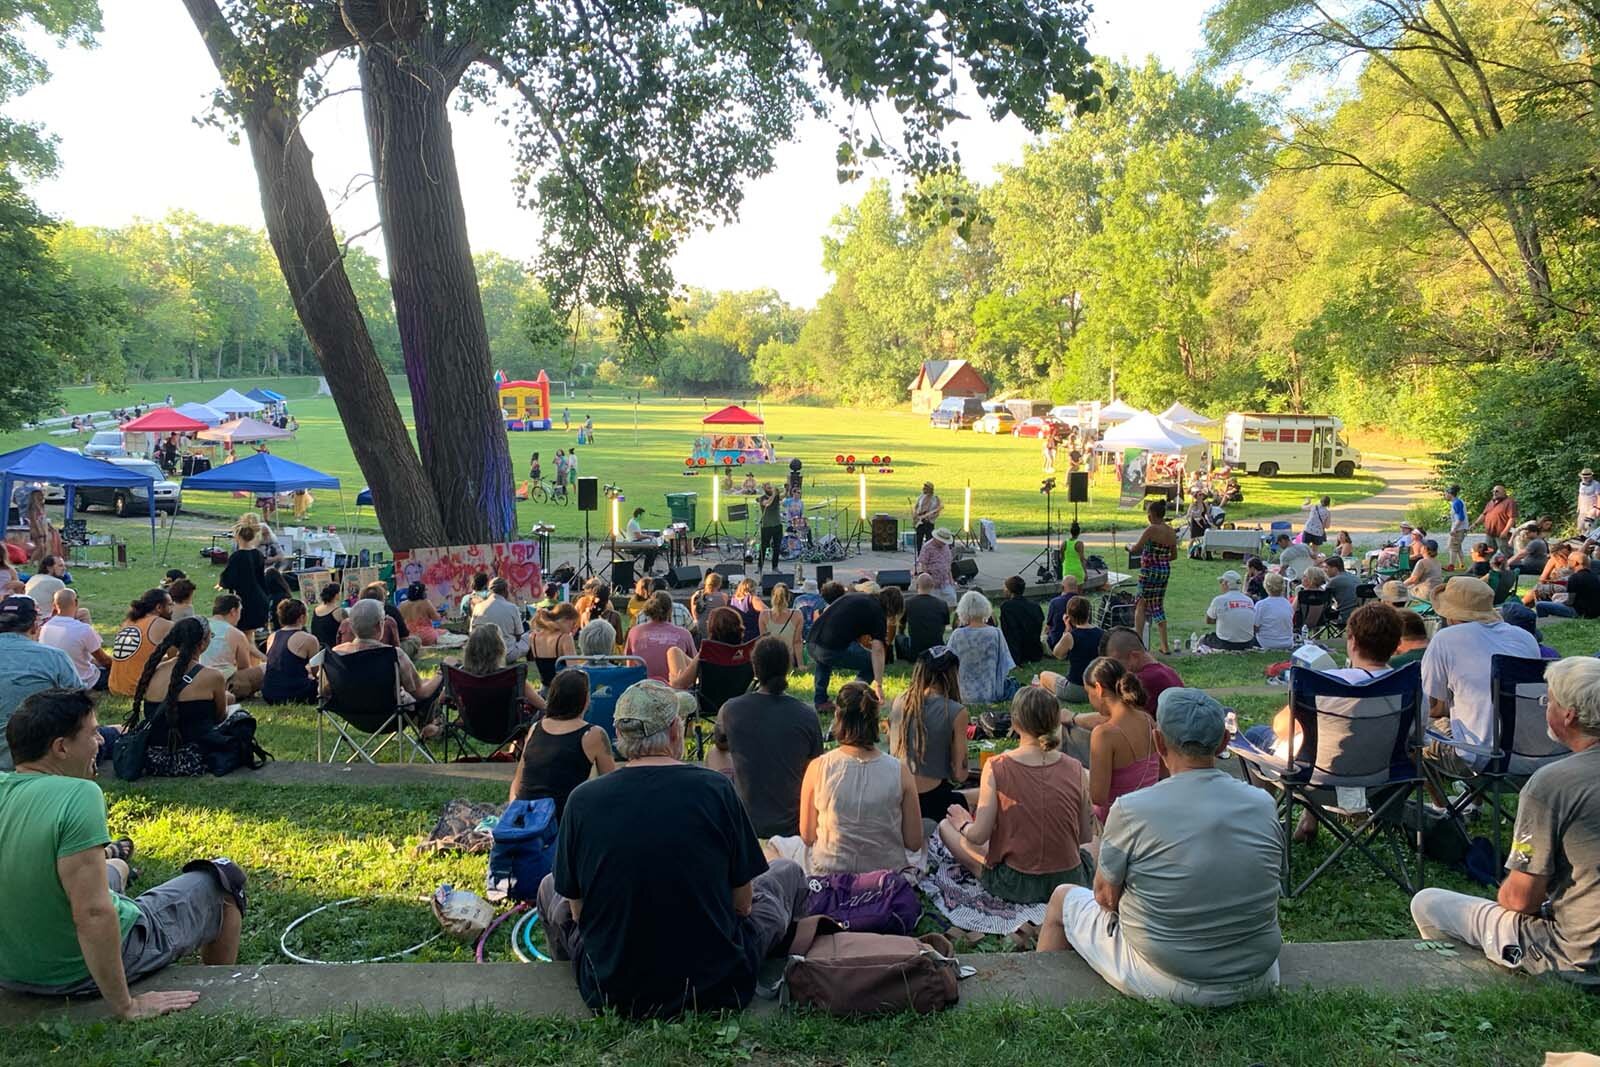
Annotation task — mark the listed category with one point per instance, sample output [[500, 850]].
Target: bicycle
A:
[[548, 492]]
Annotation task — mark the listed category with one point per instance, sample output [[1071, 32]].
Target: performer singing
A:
[[926, 512], [771, 523]]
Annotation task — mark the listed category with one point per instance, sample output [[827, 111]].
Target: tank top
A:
[[285, 677], [130, 651], [1070, 563], [1124, 780], [1036, 831], [858, 815], [553, 765], [325, 628], [195, 717], [747, 611], [784, 631], [545, 664]]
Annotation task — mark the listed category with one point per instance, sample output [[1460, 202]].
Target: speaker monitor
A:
[[964, 569], [885, 533], [622, 574], [588, 494], [1078, 487], [768, 581], [824, 572], [902, 579], [730, 570], [683, 577]]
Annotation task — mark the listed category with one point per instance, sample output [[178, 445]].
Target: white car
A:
[[105, 444], [132, 500]]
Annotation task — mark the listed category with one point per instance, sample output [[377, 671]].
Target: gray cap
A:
[[1190, 717]]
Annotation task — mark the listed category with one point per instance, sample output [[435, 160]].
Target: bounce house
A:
[[525, 405]]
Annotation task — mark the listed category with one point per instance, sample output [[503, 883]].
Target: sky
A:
[[130, 147]]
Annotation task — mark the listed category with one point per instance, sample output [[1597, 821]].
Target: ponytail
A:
[[1131, 690], [186, 637], [1111, 675]]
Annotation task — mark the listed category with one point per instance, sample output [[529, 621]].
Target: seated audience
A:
[[858, 804], [1293, 557], [51, 579], [643, 590], [1530, 549], [1426, 573], [595, 603], [597, 638], [1519, 616], [1078, 644], [623, 904], [230, 652], [1233, 616], [1274, 616], [1502, 578], [1342, 586], [722, 626], [484, 654], [182, 593], [327, 616], [178, 684], [1255, 578], [411, 691], [1395, 594], [1122, 753], [1413, 639], [926, 617], [288, 677], [1033, 818], [809, 603], [706, 599], [1199, 836], [26, 665], [749, 606], [500, 610], [420, 616], [1481, 553], [389, 630], [782, 621], [551, 638], [477, 594], [1583, 588], [769, 738], [147, 622], [80, 641], [1545, 919], [986, 662], [67, 928], [1343, 547], [1122, 644], [561, 750], [1021, 623], [1055, 616], [655, 634], [928, 731]]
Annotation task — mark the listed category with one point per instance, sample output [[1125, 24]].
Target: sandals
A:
[[120, 849], [1025, 938]]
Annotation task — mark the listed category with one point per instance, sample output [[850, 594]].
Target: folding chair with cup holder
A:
[[609, 677], [488, 709], [362, 694], [1363, 736], [1401, 568], [725, 673]]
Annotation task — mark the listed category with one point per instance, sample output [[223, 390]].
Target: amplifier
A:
[[885, 533]]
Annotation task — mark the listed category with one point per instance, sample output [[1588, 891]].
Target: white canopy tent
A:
[[1179, 415], [234, 402], [202, 413], [1117, 411], [1145, 430]]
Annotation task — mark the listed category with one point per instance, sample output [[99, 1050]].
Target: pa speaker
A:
[[885, 534], [1078, 487], [588, 494], [964, 569], [683, 577], [768, 581], [622, 574], [730, 570], [824, 573], [901, 579]]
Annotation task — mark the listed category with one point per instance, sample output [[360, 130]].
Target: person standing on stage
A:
[[926, 512], [771, 524]]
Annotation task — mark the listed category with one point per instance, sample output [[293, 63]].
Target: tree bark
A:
[[438, 309]]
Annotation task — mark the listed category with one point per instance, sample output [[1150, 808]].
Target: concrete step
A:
[[1054, 979], [306, 772]]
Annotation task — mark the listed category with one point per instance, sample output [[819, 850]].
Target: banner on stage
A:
[[447, 572], [1134, 463]]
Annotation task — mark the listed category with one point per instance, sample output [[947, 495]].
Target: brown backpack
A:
[[868, 974]]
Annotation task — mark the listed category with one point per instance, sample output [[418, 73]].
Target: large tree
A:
[[636, 121]]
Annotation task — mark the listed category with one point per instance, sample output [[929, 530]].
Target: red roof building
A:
[[940, 379]]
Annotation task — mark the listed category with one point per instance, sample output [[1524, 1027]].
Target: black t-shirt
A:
[[1021, 622], [655, 853], [848, 619], [1583, 593], [772, 514], [1085, 647], [771, 739], [925, 620]]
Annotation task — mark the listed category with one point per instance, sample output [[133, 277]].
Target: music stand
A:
[[739, 513]]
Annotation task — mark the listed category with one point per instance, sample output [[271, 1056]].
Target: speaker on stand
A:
[[588, 503]]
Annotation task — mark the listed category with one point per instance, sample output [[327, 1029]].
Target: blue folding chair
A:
[[1520, 745], [609, 677], [1351, 735]]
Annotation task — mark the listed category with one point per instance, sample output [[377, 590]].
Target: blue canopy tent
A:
[[201, 413], [57, 466], [266, 396], [262, 474]]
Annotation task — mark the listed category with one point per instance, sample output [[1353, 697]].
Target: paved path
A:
[[1406, 483]]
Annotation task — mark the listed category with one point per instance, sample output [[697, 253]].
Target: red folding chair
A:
[[487, 709]]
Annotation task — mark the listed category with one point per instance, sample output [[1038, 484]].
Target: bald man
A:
[[68, 632]]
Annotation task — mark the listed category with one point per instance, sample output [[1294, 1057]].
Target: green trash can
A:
[[681, 506]]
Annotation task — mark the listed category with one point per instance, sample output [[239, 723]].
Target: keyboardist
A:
[[635, 532]]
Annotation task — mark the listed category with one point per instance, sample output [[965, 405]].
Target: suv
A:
[[956, 412], [132, 499], [105, 444]]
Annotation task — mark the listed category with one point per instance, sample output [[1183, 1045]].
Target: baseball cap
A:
[[20, 607], [1190, 717], [1231, 577], [647, 707]]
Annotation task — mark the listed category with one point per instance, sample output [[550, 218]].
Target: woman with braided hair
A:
[[183, 694], [928, 731]]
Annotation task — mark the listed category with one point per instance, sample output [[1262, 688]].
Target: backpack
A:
[[878, 902], [231, 744], [524, 849], [868, 974]]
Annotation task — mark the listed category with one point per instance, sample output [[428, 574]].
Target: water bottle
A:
[[1232, 722], [1194, 641], [1305, 635]]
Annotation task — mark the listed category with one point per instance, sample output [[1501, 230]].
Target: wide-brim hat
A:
[[1395, 594], [943, 535], [1465, 599]]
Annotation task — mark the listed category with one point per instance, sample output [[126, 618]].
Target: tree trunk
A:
[[437, 304]]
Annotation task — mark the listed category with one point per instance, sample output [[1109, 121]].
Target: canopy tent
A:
[[1145, 430], [57, 466], [234, 402], [163, 420], [1117, 411], [364, 498], [244, 430], [732, 415], [201, 413], [261, 473], [1179, 415], [266, 396]]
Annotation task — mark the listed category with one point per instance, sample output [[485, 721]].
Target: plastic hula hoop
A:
[[488, 931], [283, 941], [522, 938]]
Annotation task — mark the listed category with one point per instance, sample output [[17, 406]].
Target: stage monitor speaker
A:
[[824, 572], [902, 579], [963, 570], [622, 574], [730, 570], [683, 577], [768, 581], [1078, 487], [588, 494], [885, 533]]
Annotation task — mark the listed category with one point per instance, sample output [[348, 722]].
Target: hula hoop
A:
[[283, 941], [522, 936], [483, 939]]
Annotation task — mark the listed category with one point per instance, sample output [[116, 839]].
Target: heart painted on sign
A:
[[523, 577]]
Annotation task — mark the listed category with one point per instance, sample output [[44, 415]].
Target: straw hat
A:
[[943, 535], [1395, 594], [1466, 599]]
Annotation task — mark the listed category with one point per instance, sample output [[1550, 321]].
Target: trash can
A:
[[681, 506]]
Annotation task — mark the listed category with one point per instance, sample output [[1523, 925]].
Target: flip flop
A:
[[120, 849]]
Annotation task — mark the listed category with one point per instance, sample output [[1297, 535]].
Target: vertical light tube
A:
[[863, 498], [966, 510], [716, 497], [616, 518]]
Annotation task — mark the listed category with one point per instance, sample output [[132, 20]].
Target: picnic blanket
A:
[[463, 827], [958, 897]]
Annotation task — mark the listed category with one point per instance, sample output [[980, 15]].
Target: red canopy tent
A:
[[732, 415], [163, 420]]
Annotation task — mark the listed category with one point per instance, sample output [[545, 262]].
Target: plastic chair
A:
[[361, 693], [1365, 735], [488, 709], [609, 678]]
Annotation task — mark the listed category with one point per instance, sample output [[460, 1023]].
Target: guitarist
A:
[[925, 513]]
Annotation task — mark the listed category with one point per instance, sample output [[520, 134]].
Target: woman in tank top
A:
[[145, 626], [750, 607], [551, 639], [928, 731], [327, 616], [561, 749], [782, 621], [1122, 750], [201, 697], [285, 680], [858, 804]]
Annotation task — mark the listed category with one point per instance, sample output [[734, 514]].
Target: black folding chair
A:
[[488, 709], [725, 673], [362, 694], [1365, 736], [1314, 611]]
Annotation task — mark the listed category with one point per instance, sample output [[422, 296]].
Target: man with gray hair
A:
[[498, 609], [1546, 917], [660, 895], [1185, 900], [597, 638], [366, 626]]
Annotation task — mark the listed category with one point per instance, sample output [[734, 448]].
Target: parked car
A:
[[133, 499], [956, 412], [105, 444], [1033, 427], [995, 422]]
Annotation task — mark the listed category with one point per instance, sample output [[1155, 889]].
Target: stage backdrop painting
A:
[[447, 572], [1134, 462], [311, 586]]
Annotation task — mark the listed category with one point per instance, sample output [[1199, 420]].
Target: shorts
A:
[[1312, 539], [1446, 756], [935, 803], [1019, 887], [175, 919]]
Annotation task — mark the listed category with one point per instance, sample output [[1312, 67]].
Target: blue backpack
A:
[[524, 849]]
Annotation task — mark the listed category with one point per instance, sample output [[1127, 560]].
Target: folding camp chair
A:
[[1314, 611], [609, 678], [1366, 736], [725, 672], [1401, 568], [361, 692], [487, 709], [1520, 745]]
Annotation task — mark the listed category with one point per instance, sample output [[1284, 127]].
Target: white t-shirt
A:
[[499, 611], [1588, 499], [1455, 668], [219, 654], [1235, 616], [78, 640], [1274, 622], [1295, 559], [43, 589]]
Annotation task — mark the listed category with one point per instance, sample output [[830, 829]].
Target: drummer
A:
[[636, 533]]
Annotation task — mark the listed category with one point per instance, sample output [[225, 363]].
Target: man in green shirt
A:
[[66, 927]]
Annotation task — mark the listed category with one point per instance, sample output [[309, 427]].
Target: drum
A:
[[791, 546]]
